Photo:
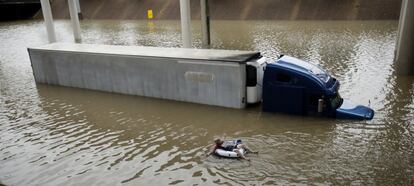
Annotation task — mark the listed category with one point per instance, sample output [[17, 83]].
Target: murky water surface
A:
[[54, 135]]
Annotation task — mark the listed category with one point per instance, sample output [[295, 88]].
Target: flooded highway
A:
[[53, 135]]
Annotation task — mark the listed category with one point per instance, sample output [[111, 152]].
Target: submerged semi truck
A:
[[227, 78]]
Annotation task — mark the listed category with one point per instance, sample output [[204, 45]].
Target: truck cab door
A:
[[280, 95]]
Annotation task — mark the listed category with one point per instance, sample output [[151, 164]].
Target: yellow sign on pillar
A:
[[150, 14]]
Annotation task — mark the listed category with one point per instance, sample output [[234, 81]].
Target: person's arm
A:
[[211, 151]]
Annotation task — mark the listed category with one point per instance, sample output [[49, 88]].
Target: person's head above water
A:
[[218, 141]]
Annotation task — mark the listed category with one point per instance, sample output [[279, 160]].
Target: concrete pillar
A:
[[79, 10], [205, 23], [185, 23], [404, 55], [75, 20], [47, 16]]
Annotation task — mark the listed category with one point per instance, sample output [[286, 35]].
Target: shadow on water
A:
[[214, 119]]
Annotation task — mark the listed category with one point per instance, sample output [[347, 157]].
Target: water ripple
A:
[[63, 136]]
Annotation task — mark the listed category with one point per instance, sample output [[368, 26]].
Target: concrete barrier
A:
[[212, 77], [238, 9]]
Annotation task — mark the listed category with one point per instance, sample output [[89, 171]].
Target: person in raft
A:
[[218, 144]]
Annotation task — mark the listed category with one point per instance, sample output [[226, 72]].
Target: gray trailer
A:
[[225, 78]]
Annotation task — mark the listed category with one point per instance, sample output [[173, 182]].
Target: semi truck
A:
[[293, 86], [227, 78]]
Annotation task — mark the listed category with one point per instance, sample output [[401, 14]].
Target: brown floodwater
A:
[[53, 135]]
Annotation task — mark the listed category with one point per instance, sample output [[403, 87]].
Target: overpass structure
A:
[[404, 57], [404, 51], [75, 13]]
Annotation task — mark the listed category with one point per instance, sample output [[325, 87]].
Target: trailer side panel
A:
[[205, 82]]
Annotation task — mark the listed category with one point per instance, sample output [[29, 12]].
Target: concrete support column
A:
[[404, 55], [79, 10], [185, 23], [205, 23], [47, 16], [75, 20]]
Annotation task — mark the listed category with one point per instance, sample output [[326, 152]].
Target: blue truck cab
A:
[[294, 86]]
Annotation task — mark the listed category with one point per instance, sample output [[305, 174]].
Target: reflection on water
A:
[[54, 135]]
